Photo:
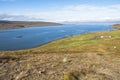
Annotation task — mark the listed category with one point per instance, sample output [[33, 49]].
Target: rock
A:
[[19, 36], [42, 71], [114, 47], [103, 37], [65, 59]]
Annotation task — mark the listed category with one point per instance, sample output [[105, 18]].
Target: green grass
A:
[[85, 43]]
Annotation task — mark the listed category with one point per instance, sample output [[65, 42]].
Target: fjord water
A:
[[16, 39]]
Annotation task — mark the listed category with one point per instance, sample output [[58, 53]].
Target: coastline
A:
[[88, 53], [39, 47], [116, 26], [23, 24]]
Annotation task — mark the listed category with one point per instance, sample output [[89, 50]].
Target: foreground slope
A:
[[94, 56]]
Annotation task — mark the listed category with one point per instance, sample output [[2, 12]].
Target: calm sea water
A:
[[16, 39]]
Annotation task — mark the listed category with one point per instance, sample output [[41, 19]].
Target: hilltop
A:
[[23, 24]]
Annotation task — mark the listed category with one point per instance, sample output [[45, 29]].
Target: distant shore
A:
[[117, 26], [23, 24]]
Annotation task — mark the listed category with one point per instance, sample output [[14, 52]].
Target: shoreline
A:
[[27, 49], [60, 39], [88, 55], [4, 25]]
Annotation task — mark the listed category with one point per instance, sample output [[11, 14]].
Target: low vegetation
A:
[[93, 56]]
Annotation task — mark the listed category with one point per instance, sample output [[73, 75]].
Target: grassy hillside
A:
[[94, 56], [22, 24], [84, 43]]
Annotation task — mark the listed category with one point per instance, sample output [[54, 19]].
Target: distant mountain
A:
[[3, 21], [94, 21]]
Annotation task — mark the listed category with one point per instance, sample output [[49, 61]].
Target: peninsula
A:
[[117, 26], [23, 24]]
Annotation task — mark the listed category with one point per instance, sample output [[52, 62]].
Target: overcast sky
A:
[[60, 10]]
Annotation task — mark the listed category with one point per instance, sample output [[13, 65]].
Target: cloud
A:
[[14, 17], [91, 13], [82, 13], [79, 13]]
